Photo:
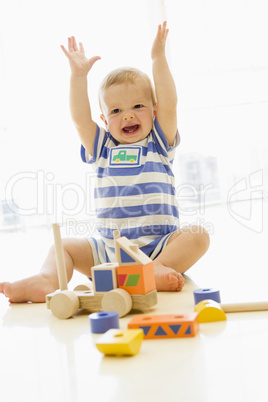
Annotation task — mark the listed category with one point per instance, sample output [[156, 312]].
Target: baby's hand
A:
[[158, 48], [79, 63]]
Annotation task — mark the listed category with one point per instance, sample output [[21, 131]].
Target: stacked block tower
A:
[[133, 271]]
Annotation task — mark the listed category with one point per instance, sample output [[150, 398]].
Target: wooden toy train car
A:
[[122, 286]]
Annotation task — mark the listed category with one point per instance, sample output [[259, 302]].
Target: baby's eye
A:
[[115, 111], [138, 106]]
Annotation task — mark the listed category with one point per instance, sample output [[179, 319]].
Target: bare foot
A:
[[34, 289], [167, 279]]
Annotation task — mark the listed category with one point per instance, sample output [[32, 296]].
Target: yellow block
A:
[[209, 310], [120, 342]]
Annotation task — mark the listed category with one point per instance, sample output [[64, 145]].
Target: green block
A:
[[132, 280]]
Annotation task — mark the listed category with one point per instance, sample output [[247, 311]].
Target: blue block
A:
[[103, 280], [103, 321], [207, 294]]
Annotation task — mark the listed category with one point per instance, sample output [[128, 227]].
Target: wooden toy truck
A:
[[122, 286]]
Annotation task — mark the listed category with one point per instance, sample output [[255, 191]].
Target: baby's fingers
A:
[[81, 47], [75, 48], [163, 30], [72, 46], [67, 54]]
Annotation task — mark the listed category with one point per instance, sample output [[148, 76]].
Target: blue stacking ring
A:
[[205, 294], [103, 321]]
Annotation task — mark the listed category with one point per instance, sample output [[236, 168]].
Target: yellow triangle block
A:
[[120, 342], [209, 310]]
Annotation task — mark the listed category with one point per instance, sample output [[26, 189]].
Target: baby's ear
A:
[[104, 120]]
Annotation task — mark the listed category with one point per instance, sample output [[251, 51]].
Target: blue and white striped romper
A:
[[134, 192]]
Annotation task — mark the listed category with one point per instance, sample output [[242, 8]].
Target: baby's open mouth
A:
[[131, 129]]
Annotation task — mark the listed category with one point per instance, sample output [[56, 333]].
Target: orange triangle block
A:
[[166, 325]]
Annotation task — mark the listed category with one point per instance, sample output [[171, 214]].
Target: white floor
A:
[[46, 359]]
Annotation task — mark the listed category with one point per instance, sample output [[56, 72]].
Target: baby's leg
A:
[[184, 248], [78, 255]]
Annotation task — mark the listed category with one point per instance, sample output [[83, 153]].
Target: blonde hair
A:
[[125, 75]]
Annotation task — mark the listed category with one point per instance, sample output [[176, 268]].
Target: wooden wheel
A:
[[64, 304], [84, 286], [117, 300]]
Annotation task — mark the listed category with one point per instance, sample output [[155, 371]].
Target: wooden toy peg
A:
[[244, 307], [61, 268], [116, 234]]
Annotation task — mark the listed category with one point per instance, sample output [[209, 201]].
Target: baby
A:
[[133, 159]]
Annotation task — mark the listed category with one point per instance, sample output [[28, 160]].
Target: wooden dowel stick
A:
[[61, 268], [243, 307]]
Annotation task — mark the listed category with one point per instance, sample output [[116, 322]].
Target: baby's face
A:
[[128, 111]]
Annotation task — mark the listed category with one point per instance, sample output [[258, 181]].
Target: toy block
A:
[[120, 342], [207, 294], [136, 279], [128, 253], [103, 321], [166, 326], [104, 277], [209, 311]]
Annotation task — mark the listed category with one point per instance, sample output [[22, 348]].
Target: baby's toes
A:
[[180, 282]]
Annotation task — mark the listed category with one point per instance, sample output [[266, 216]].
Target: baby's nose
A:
[[128, 116]]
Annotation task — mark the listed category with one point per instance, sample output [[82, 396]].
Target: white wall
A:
[[218, 54]]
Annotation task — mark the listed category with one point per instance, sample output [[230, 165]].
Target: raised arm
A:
[[79, 101], [165, 88]]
